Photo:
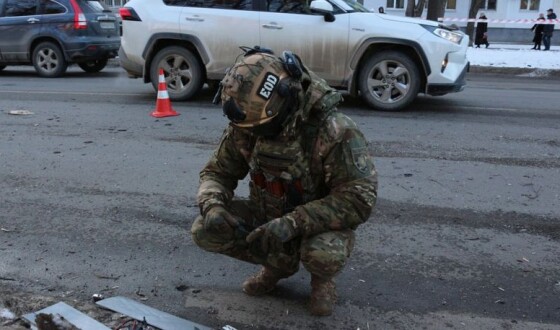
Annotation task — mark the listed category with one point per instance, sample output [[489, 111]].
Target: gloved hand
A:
[[218, 220], [273, 234]]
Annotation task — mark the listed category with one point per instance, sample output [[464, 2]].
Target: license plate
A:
[[107, 25]]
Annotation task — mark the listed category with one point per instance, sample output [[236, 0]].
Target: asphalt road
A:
[[98, 197]]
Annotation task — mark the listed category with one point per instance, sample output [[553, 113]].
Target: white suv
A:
[[386, 59]]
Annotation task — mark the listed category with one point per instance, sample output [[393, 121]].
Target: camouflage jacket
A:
[[318, 172]]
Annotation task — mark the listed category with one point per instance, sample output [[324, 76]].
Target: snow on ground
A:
[[514, 56]]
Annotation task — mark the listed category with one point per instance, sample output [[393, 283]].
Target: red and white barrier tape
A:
[[517, 21]]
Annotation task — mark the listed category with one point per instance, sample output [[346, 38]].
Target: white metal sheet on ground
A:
[[154, 317], [72, 315]]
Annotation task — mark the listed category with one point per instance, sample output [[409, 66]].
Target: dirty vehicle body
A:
[[386, 59], [52, 34]]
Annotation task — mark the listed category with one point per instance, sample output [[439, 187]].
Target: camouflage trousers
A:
[[323, 255]]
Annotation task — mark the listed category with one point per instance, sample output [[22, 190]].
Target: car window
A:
[[51, 7], [175, 2], [288, 6], [222, 4], [20, 7], [353, 6], [93, 6]]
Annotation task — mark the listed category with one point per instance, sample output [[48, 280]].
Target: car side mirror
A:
[[323, 7]]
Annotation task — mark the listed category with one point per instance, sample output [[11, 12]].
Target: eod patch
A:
[[267, 86]]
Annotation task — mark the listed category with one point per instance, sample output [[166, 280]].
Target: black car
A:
[[51, 34]]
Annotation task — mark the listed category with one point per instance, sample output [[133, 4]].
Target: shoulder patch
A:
[[338, 124]]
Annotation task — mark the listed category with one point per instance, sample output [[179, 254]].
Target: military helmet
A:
[[260, 91]]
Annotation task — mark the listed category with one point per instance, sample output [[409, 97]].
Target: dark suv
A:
[[51, 34]]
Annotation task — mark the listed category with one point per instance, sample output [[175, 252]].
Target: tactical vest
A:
[[288, 173]]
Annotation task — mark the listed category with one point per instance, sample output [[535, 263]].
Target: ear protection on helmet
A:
[[292, 64]]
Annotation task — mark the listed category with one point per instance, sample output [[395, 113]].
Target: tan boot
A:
[[262, 282], [323, 296]]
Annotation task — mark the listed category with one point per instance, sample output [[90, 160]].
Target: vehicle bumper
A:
[[133, 69], [457, 86], [92, 51]]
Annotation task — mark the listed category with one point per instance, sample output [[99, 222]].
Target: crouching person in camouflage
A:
[[312, 184]]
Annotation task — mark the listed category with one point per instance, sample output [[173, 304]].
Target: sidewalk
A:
[[525, 46], [517, 59]]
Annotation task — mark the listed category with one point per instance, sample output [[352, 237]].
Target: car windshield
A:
[[352, 6]]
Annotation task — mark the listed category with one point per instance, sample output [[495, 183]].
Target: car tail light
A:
[[128, 14], [80, 22]]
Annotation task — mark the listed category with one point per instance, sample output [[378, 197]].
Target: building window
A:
[[451, 4], [489, 4], [529, 4], [395, 4]]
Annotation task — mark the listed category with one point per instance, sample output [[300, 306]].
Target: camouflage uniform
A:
[[317, 174]]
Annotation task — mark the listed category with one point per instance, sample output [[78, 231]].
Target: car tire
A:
[[389, 81], [2, 67], [48, 60], [182, 70], [93, 66]]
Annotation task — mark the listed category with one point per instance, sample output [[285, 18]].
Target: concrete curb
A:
[[526, 72]]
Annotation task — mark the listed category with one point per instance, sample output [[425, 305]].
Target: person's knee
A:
[[326, 254]]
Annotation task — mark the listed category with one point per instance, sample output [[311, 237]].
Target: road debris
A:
[[6, 314], [107, 277], [133, 324], [62, 311], [2, 278], [20, 112], [181, 287], [152, 316]]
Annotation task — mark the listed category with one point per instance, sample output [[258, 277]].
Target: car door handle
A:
[[33, 20], [273, 26], [194, 18]]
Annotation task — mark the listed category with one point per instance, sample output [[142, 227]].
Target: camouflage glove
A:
[[218, 220], [274, 234]]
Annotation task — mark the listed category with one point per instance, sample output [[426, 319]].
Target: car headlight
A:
[[453, 36]]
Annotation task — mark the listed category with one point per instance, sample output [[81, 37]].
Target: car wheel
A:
[[2, 67], [389, 81], [93, 65], [182, 70], [48, 60]]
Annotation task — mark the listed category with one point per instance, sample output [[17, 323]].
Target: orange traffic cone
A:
[[163, 105]]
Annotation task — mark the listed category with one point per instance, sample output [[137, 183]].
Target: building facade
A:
[[512, 14]]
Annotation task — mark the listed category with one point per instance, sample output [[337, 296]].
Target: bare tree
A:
[[436, 9], [473, 10], [414, 8]]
